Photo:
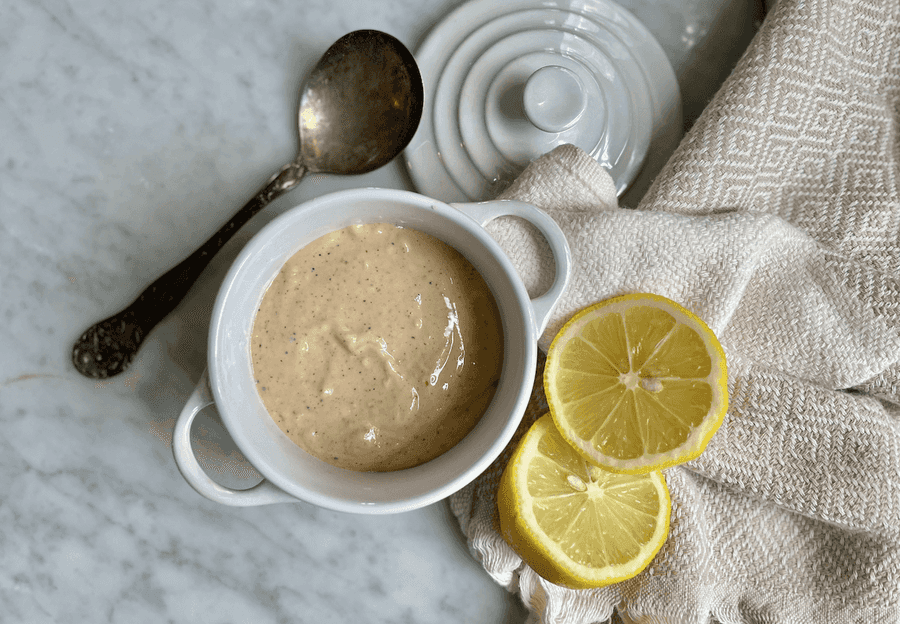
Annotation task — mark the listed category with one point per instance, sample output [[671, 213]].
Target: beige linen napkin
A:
[[777, 221]]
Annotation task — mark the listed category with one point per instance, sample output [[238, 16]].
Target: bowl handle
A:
[[484, 212], [264, 493]]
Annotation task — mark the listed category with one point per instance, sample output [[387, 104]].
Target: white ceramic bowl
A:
[[290, 474]]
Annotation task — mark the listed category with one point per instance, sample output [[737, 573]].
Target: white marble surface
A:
[[128, 133]]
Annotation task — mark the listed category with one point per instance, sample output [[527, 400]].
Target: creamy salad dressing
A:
[[377, 347]]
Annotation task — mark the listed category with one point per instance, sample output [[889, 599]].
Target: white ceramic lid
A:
[[508, 80]]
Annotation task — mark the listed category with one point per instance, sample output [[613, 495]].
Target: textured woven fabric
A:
[[777, 221]]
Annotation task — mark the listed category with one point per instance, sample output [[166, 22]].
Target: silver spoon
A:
[[360, 107]]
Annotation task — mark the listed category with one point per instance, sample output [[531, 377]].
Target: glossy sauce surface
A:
[[377, 348]]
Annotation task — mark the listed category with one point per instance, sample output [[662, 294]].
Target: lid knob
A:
[[554, 98]]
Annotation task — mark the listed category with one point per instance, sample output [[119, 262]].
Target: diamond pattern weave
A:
[[777, 221]]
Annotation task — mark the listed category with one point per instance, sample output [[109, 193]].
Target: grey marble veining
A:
[[128, 133]]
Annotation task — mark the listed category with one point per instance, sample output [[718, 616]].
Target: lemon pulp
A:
[[574, 523], [636, 383]]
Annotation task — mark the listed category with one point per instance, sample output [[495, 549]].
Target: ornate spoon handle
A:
[[107, 348]]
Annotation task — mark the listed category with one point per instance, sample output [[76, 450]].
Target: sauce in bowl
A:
[[377, 347]]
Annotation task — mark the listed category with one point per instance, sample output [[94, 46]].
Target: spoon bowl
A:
[[359, 109], [355, 122]]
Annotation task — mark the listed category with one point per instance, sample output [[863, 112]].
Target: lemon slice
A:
[[574, 523], [636, 383]]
